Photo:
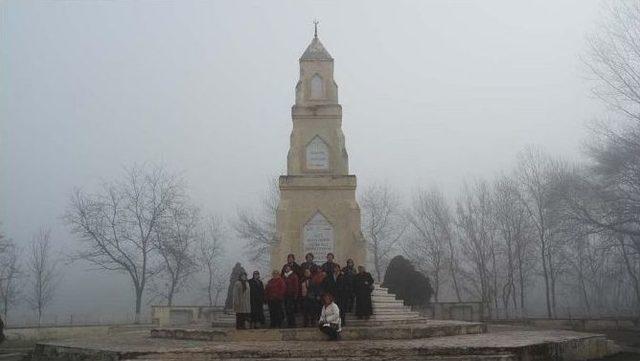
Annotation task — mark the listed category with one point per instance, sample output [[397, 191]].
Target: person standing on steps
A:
[[363, 286], [342, 290], [241, 301], [257, 301], [317, 286], [291, 295], [274, 295], [327, 267], [291, 262], [309, 299], [349, 274], [329, 321], [308, 264]]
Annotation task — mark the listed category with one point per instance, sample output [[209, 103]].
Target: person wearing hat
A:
[[257, 301]]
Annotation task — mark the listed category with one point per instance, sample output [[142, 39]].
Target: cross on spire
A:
[[315, 28]]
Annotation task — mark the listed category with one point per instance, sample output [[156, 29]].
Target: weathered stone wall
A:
[[66, 332], [183, 315]]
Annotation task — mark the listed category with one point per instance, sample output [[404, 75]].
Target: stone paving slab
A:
[[523, 345]]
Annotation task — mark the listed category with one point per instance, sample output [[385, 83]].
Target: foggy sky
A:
[[432, 93]]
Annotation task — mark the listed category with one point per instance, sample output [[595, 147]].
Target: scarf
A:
[[287, 274]]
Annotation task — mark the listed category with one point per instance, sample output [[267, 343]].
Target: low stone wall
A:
[[459, 311], [68, 332], [183, 315], [582, 324]]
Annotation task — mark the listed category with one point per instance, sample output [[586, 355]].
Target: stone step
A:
[[396, 332], [379, 306], [389, 297], [380, 310], [374, 322]]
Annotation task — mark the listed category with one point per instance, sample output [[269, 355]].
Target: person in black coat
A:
[[295, 267], [257, 301], [329, 284], [328, 266], [349, 273], [309, 264], [341, 292], [363, 286]]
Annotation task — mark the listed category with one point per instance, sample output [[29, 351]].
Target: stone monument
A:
[[317, 212]]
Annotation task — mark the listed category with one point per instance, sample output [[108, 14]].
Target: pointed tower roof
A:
[[315, 50]]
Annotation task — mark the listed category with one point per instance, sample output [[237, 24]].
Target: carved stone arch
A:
[[317, 154], [316, 87]]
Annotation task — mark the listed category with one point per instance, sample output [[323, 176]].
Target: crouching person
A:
[[329, 322]]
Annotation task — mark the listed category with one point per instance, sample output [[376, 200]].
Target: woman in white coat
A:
[[242, 301], [330, 322]]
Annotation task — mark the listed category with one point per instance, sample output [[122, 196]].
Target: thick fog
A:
[[432, 93]]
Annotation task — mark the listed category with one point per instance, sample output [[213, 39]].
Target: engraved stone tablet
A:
[[317, 154], [318, 236]]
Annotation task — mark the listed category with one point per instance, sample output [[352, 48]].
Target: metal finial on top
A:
[[315, 26]]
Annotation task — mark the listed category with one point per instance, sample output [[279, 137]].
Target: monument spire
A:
[[317, 212], [315, 28]]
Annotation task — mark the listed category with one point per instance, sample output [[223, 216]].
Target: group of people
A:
[[321, 294]]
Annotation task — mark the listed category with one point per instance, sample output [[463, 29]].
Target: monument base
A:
[[427, 329], [500, 346]]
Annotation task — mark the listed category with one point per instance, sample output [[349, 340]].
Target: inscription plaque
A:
[[318, 236], [317, 154]]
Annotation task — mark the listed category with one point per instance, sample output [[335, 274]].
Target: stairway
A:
[[387, 310]]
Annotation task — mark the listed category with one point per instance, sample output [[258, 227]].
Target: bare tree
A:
[[476, 230], [609, 199], [257, 227], [175, 239], [210, 258], [116, 225], [9, 275], [537, 175], [383, 224], [514, 229], [431, 240], [43, 272]]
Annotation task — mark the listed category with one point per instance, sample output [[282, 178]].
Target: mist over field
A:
[[435, 95]]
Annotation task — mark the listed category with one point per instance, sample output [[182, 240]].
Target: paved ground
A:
[[493, 341], [517, 337]]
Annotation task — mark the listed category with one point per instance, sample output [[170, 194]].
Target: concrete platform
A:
[[398, 332], [500, 346]]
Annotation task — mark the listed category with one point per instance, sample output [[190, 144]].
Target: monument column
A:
[[317, 212]]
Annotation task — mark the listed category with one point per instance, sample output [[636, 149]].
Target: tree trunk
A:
[[453, 271], [523, 311], [545, 273], [634, 277], [552, 277], [210, 288], [138, 305]]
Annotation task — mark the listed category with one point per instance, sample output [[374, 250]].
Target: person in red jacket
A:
[[291, 295], [274, 294]]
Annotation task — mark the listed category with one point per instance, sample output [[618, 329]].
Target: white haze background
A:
[[432, 93]]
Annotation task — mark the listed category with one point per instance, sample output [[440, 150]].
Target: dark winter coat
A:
[[293, 285], [275, 290], [363, 286]]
